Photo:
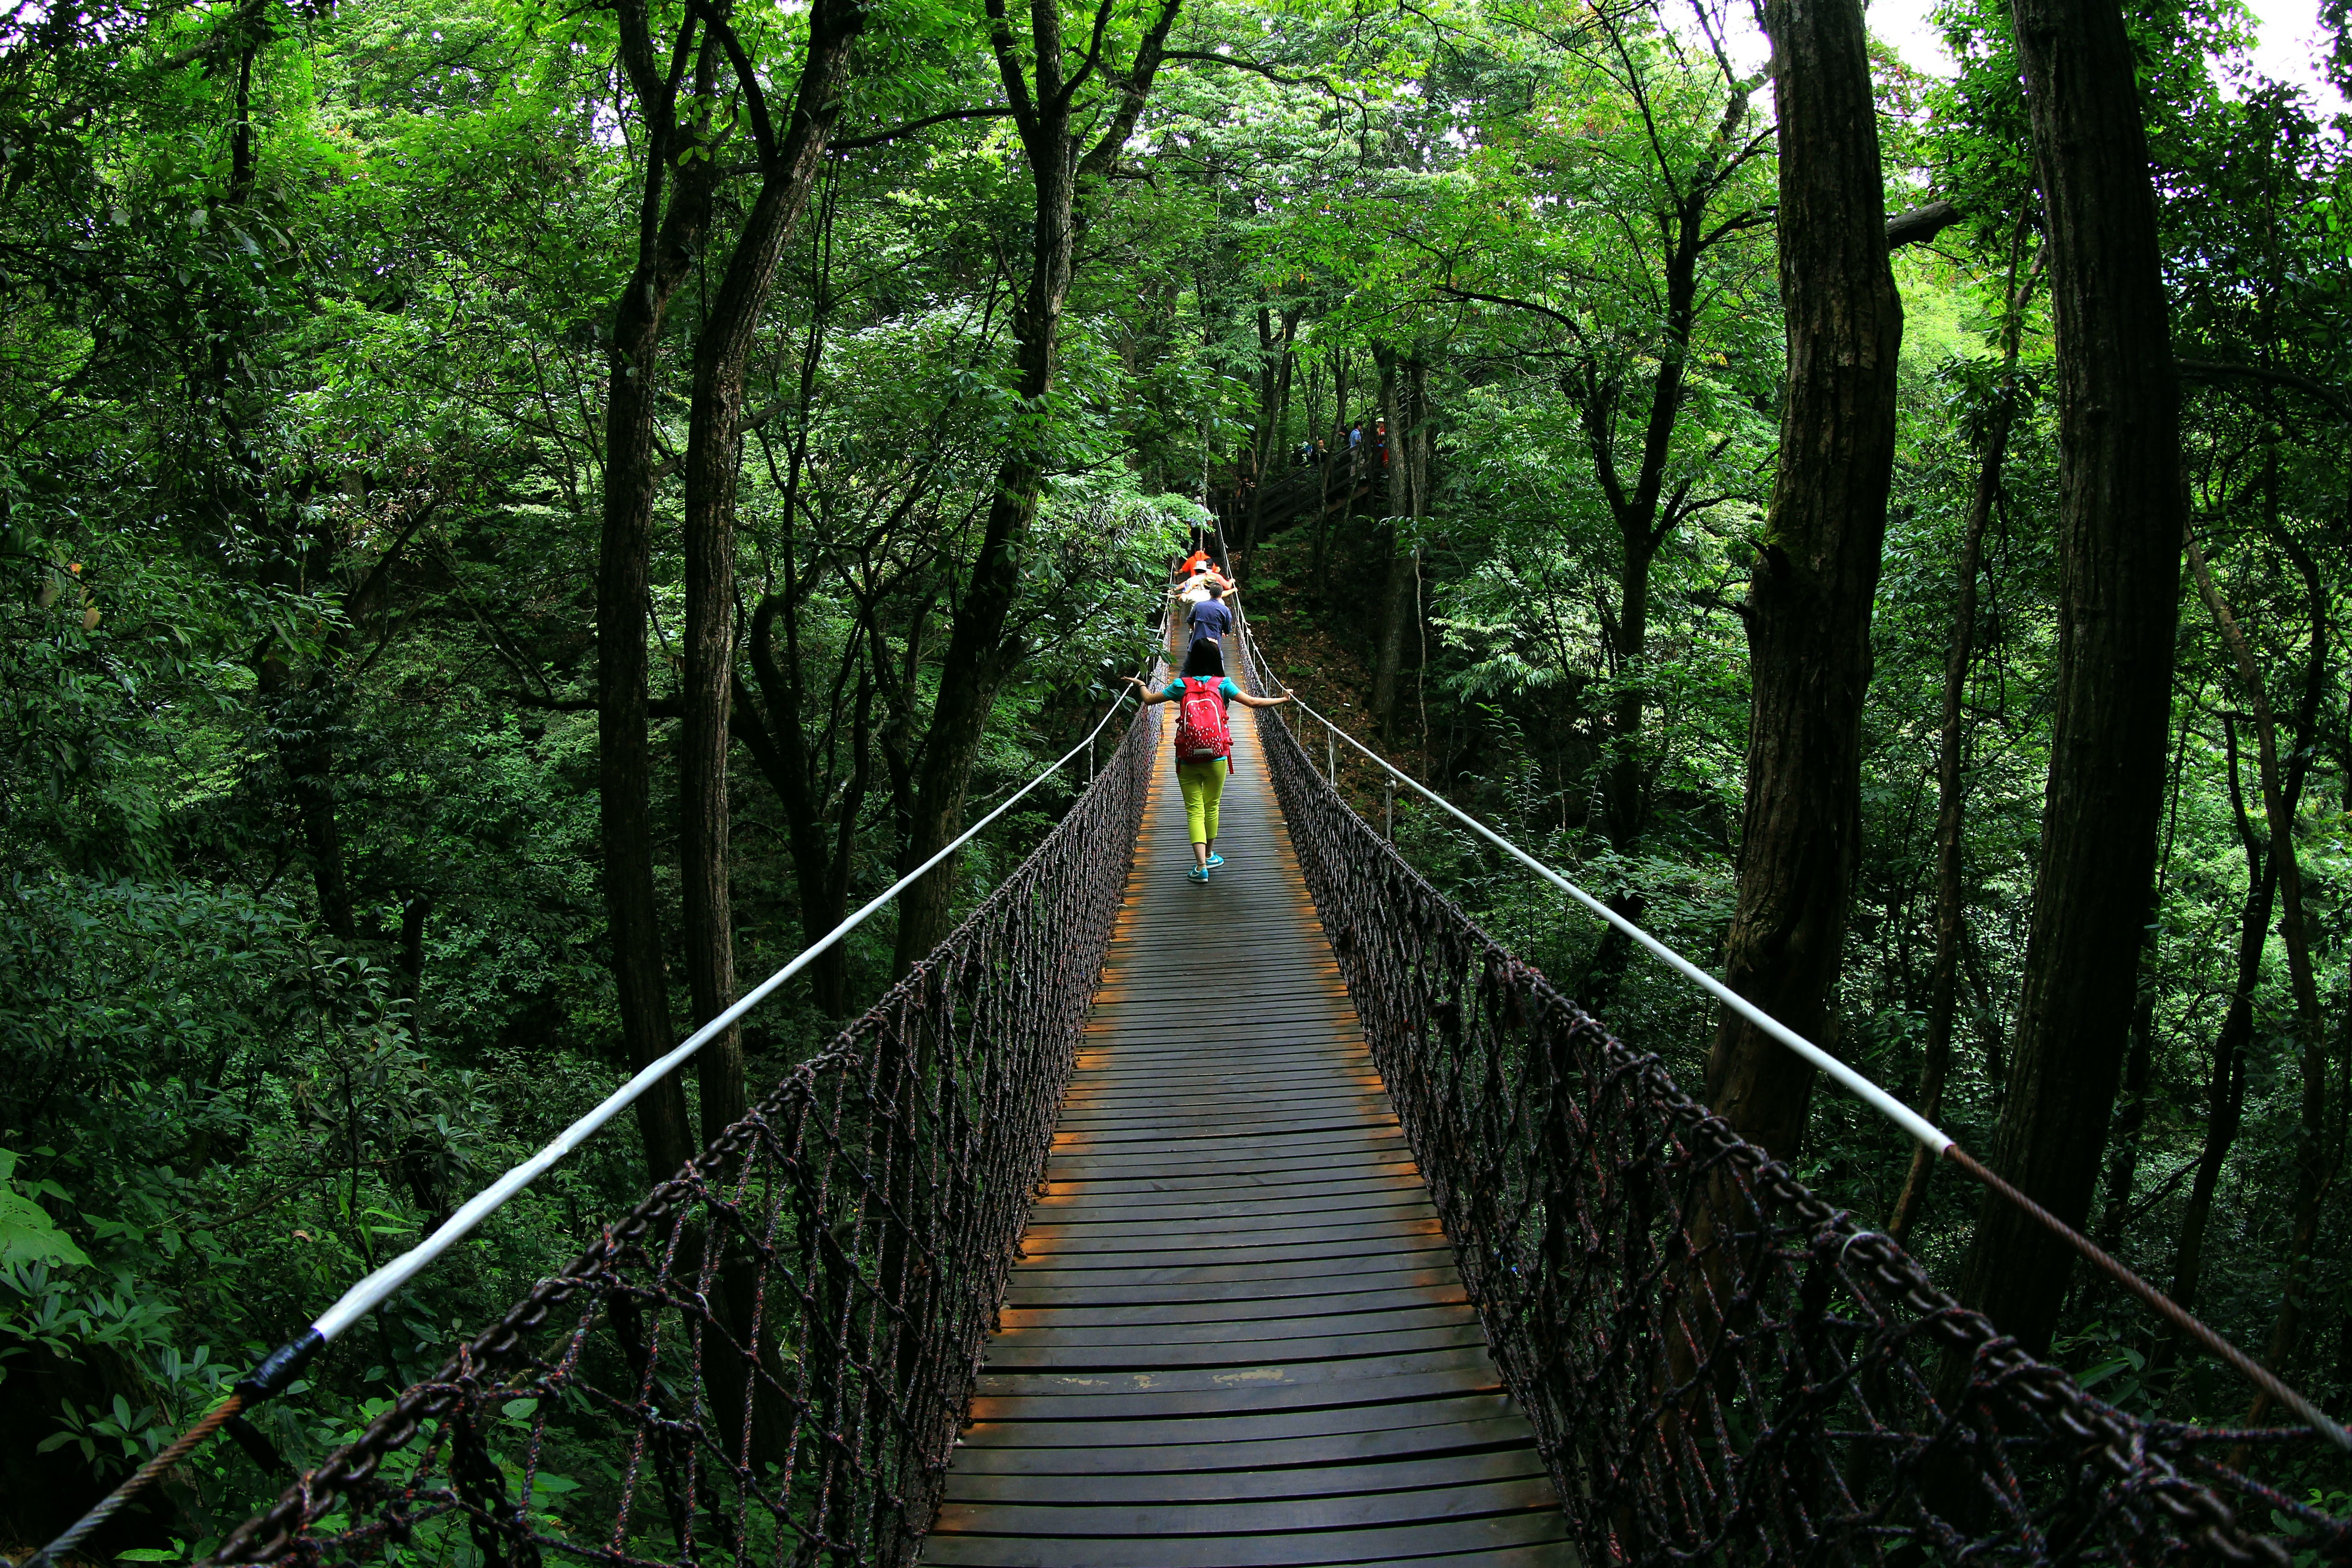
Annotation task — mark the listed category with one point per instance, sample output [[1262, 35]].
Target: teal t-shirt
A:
[[1174, 689]]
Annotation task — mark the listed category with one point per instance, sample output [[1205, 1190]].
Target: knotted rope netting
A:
[[1720, 1367], [769, 1358]]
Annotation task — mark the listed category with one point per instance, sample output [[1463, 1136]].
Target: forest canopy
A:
[[515, 519]]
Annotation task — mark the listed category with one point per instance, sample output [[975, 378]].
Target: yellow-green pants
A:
[[1202, 784]]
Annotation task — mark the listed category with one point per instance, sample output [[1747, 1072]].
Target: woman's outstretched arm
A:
[[1149, 696], [1261, 701]]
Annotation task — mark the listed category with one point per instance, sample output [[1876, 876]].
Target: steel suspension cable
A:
[[1902, 1116]]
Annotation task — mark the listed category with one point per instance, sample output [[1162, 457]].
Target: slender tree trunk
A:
[[822, 860], [2120, 513], [977, 658], [1343, 458], [713, 462], [1274, 362], [1396, 592], [2278, 812], [668, 244], [302, 714], [1951, 750], [2225, 1090], [1809, 607]]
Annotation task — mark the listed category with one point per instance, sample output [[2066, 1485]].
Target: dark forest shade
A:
[[2119, 533], [1809, 606]]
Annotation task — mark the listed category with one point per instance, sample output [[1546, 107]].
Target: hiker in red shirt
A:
[[1205, 742]]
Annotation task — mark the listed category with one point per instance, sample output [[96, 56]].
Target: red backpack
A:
[[1201, 733]]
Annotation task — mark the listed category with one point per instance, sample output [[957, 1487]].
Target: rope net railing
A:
[[1720, 1367], [768, 1359]]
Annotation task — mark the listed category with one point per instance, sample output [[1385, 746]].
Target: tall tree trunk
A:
[[714, 456], [669, 241], [2120, 514], [1810, 604], [978, 658], [1951, 749]]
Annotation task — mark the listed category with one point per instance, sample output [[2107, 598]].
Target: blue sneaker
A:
[[1215, 860], [1198, 873]]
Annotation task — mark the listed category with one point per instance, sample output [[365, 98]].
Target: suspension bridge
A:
[[1287, 1220]]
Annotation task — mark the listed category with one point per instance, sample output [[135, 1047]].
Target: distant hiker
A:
[[1205, 742], [1198, 575], [1381, 441], [1211, 617], [1321, 451]]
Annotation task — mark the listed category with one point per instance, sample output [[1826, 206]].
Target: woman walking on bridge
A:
[[1205, 742]]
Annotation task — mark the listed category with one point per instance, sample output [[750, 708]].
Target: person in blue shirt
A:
[[1211, 617], [1204, 784]]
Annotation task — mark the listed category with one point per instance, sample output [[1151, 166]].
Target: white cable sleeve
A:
[[1869, 1093], [363, 1297]]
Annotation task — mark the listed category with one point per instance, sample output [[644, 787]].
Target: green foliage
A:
[[302, 458]]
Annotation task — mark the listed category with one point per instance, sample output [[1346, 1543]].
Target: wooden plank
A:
[[1304, 1199], [1157, 1265], [1326, 1304], [1324, 1155], [1167, 1191], [1338, 1056], [1312, 1095], [1067, 1241], [1042, 1351], [1306, 1130], [1249, 1399], [1224, 1281], [1342, 1511], [1085, 1100], [1332, 1378], [1395, 1543], [1320, 1142], [1178, 1226], [1096, 1292], [1229, 1454], [1405, 1473], [1176, 1341], [1262, 1083], [1208, 1433]]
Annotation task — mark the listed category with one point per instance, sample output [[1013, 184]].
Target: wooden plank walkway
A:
[[1237, 1338]]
